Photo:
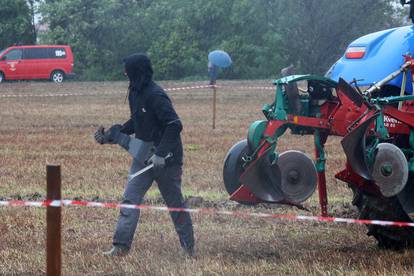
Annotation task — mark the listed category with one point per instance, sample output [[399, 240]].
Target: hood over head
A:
[[139, 71]]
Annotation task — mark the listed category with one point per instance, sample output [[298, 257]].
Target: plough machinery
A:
[[378, 141]]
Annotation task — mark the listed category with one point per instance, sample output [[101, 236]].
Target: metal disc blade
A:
[[354, 148], [298, 175], [390, 170], [263, 179], [233, 166]]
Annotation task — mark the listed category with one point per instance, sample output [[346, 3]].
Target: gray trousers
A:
[[169, 183]]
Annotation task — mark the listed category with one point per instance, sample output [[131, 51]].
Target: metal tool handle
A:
[[150, 166]]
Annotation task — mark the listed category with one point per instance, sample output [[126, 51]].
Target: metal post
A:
[[53, 217], [214, 106], [320, 140], [402, 93], [323, 198]]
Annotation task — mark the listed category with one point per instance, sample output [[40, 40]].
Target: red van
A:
[[54, 62]]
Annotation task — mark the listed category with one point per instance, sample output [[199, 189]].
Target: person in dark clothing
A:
[[157, 130], [411, 3]]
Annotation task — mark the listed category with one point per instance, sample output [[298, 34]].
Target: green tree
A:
[[15, 23], [101, 33], [261, 36], [237, 27], [316, 32]]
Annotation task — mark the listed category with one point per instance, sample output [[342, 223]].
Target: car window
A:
[[2, 51], [14, 54], [36, 53], [57, 52]]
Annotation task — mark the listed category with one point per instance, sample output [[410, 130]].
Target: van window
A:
[[2, 51], [36, 53], [14, 54], [57, 52], [42, 53]]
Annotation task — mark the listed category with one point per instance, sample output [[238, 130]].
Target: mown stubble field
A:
[[36, 131]]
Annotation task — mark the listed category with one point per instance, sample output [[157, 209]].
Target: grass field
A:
[[36, 131]]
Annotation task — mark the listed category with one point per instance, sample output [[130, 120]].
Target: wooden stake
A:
[[214, 106], [54, 220]]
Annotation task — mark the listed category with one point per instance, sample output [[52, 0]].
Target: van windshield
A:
[[2, 51]]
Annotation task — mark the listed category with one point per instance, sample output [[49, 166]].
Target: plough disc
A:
[[263, 179], [233, 166], [390, 170], [298, 175], [292, 178]]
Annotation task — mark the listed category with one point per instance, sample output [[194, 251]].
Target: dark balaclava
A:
[[139, 71]]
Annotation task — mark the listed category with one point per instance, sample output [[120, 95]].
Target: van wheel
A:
[[1, 77], [57, 76]]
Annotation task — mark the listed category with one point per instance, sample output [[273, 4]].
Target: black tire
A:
[[233, 168], [381, 208], [2, 79], [57, 76]]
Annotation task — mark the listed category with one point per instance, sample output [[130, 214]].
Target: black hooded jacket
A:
[[153, 117]]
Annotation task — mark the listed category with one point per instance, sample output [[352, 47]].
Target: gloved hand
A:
[[115, 135], [158, 161], [100, 136]]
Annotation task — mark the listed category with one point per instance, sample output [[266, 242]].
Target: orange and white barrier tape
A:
[[190, 87], [41, 95], [55, 95], [251, 87], [59, 203], [95, 94]]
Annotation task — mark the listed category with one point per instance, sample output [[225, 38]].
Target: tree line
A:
[[262, 36]]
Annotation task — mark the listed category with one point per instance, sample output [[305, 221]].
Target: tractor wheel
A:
[[381, 208]]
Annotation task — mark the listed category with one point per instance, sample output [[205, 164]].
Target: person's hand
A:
[[158, 161], [100, 136], [114, 135]]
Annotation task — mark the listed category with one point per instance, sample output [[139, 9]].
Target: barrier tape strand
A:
[[115, 93], [60, 203]]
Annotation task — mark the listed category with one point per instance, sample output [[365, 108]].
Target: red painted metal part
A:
[[323, 195], [243, 194], [272, 126], [402, 120], [408, 106], [349, 176], [308, 121], [346, 113]]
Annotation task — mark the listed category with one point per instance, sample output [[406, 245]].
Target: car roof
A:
[[39, 46]]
